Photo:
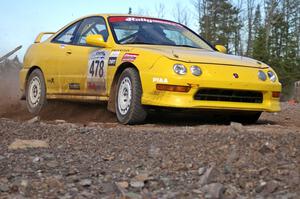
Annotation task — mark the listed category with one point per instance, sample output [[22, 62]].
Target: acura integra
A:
[[135, 62]]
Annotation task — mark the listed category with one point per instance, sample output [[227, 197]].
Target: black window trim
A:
[[75, 31]]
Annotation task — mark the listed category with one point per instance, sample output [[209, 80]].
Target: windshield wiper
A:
[[163, 44], [187, 46], [140, 43]]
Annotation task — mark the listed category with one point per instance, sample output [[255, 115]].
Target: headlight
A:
[[196, 70], [272, 76], [179, 69], [262, 75]]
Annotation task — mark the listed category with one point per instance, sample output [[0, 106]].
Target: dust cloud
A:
[[12, 107], [9, 86]]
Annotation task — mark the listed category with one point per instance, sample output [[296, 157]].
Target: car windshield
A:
[[138, 30]]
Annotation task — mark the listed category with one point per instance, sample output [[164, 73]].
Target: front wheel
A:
[[128, 107], [35, 92]]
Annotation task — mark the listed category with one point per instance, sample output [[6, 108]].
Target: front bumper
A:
[[153, 97]]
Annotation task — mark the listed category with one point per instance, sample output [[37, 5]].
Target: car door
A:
[[59, 45], [84, 68], [51, 55]]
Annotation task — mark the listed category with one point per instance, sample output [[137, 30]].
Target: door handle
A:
[[69, 52]]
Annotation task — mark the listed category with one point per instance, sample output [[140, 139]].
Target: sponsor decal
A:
[[96, 71], [50, 81], [112, 60], [74, 86], [114, 54], [96, 65], [94, 86], [129, 57], [121, 50], [159, 80], [142, 19]]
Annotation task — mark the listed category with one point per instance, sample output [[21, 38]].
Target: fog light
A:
[[173, 88], [276, 94]]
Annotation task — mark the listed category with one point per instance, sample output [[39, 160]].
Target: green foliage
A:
[[220, 23], [274, 34], [260, 50], [280, 50]]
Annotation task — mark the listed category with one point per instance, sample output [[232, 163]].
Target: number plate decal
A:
[[97, 70]]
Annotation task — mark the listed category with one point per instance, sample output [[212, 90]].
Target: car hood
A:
[[202, 56]]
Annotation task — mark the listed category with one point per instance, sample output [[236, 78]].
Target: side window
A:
[[67, 36], [91, 26]]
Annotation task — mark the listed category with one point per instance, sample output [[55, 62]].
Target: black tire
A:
[[129, 111], [246, 118], [35, 92]]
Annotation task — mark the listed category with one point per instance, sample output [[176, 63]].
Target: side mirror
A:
[[221, 49], [96, 40]]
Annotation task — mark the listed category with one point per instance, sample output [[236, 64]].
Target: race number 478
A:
[[97, 68]]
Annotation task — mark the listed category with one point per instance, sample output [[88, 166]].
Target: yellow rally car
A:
[[139, 62]]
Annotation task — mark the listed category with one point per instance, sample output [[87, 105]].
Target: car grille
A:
[[229, 95]]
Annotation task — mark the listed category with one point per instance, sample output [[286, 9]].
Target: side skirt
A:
[[81, 98]]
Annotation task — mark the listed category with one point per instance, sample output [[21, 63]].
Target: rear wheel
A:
[[35, 92], [246, 118], [128, 105]]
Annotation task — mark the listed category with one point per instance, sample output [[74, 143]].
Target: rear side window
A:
[[68, 35], [91, 26]]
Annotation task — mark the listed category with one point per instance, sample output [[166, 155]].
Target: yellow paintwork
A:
[[221, 48], [155, 65], [41, 35], [97, 40]]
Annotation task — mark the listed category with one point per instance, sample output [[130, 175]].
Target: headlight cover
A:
[[262, 75], [179, 69], [272, 76], [196, 70]]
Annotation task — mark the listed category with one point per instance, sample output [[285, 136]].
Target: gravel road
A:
[[79, 151], [156, 160]]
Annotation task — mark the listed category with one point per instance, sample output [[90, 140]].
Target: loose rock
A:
[[123, 184], [34, 120], [60, 121], [266, 148], [85, 182], [213, 191], [137, 184], [4, 188], [237, 126], [271, 187], [201, 170], [24, 144], [209, 176], [36, 159]]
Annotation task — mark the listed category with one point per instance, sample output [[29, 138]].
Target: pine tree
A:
[[260, 51], [272, 37], [220, 23], [257, 21]]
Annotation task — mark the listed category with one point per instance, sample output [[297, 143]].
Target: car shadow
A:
[[194, 118], [85, 113]]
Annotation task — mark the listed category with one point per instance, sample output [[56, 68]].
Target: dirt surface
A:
[[78, 150]]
